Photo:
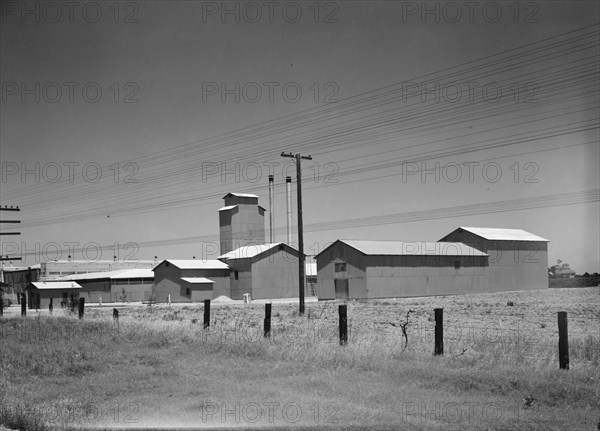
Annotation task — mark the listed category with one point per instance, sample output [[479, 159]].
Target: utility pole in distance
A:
[[5, 208], [301, 268]]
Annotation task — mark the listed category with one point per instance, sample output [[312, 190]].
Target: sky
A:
[[123, 124]]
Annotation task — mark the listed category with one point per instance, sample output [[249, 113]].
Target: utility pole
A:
[[301, 268], [5, 208]]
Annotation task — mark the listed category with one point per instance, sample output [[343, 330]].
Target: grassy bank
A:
[[158, 366]]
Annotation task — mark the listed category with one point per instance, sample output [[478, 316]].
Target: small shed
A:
[[265, 271], [191, 280], [358, 269], [40, 293]]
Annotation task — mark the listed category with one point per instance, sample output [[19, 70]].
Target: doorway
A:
[[341, 288]]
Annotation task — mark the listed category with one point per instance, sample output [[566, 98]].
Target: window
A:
[[187, 291], [236, 275], [457, 264], [340, 266]]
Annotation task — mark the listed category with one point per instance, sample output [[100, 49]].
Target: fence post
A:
[[267, 325], [206, 313], [1, 305], [115, 314], [563, 341], [23, 305], [439, 331], [50, 306], [81, 307], [343, 312]]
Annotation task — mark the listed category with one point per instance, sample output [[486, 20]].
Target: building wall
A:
[[134, 289], [19, 278], [405, 276], [400, 276], [514, 265], [221, 285], [92, 290], [275, 275], [243, 284], [355, 272], [198, 291], [167, 281]]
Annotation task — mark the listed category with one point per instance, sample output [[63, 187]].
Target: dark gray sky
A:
[[164, 69]]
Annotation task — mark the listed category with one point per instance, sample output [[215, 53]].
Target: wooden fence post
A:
[[563, 341], [115, 314], [50, 306], [267, 325], [23, 305], [439, 331], [343, 312], [1, 305], [81, 307], [206, 313]]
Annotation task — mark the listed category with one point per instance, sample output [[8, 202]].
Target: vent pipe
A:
[[288, 192], [271, 209]]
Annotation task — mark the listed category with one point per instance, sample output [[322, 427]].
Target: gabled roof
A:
[[250, 251], [195, 264], [410, 248], [241, 195], [197, 280], [495, 234], [118, 274], [56, 285]]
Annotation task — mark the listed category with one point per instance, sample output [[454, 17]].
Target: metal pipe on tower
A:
[[271, 209], [288, 191]]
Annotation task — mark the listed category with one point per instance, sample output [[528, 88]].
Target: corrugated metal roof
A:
[[197, 264], [227, 208], [20, 268], [241, 195], [197, 280], [118, 274], [408, 248], [495, 234], [56, 285], [249, 251]]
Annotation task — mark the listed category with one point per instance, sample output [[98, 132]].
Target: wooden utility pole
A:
[[5, 208], [301, 268]]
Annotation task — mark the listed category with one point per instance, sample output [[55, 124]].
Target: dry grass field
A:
[[158, 367]]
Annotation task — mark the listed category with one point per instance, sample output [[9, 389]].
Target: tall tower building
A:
[[241, 222]]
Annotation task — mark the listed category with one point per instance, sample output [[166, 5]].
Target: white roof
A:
[[495, 234], [56, 285], [248, 251], [241, 195], [229, 207], [407, 248], [197, 264], [197, 280], [118, 274], [19, 268]]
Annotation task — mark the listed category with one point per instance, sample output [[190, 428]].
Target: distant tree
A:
[[587, 274]]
